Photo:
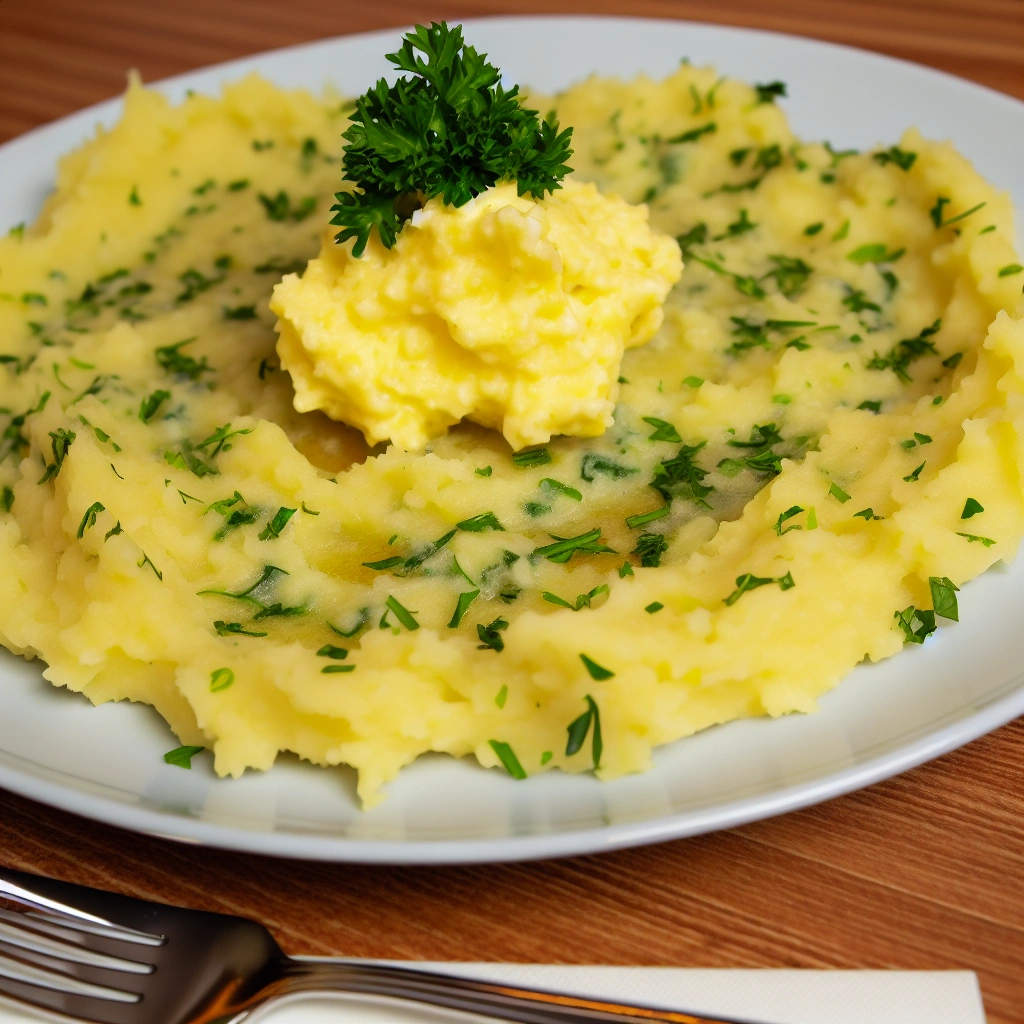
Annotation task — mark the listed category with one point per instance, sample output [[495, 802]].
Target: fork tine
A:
[[69, 1005], [62, 971], [35, 932]]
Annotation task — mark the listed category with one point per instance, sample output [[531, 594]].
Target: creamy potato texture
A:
[[508, 311], [829, 415]]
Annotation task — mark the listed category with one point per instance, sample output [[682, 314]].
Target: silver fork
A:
[[87, 955]]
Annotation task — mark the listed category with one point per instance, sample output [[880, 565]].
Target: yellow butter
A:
[[507, 311]]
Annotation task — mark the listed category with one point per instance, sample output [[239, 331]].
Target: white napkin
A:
[[771, 997]]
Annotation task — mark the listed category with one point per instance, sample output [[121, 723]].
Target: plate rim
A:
[[928, 744]]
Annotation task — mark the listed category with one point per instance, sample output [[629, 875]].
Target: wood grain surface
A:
[[925, 871]]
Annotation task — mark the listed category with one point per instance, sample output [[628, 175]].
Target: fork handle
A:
[[488, 999]]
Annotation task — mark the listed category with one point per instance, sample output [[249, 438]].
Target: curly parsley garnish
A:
[[451, 130]]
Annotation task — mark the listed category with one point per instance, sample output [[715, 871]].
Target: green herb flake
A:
[[1009, 270], [238, 184], [578, 728], [681, 477], [626, 569], [234, 629], [912, 477], [181, 757], [239, 313], [770, 92], [273, 529], [545, 757], [866, 514], [839, 494], [404, 616], [480, 523], [953, 361], [875, 407], [60, 441], [874, 252], [597, 672], [88, 520], [916, 624], [944, 592], [643, 518], [650, 547], [151, 405], [221, 679], [147, 561], [330, 651], [557, 487], [385, 563], [490, 637], [173, 360], [813, 229], [693, 382], [6, 499], [593, 464], [462, 606], [903, 159], [663, 431], [971, 508], [502, 696], [330, 670], [483, 471], [508, 758], [654, 606], [565, 547], [133, 196], [974, 538], [784, 517], [531, 458]]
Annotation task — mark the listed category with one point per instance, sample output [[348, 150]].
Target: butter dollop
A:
[[508, 311]]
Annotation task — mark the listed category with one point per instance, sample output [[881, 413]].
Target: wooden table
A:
[[925, 871]]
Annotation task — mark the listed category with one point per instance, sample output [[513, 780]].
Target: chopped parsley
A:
[[508, 758], [737, 227], [663, 431], [147, 561], [181, 757], [173, 360], [867, 514], [974, 538], [913, 476], [784, 517], [234, 629], [329, 670], [490, 637], [239, 312], [790, 274], [597, 672], [221, 679], [654, 606], [60, 441], [481, 522], [643, 518], [770, 92], [839, 494], [916, 624], [650, 547], [273, 529], [185, 458], [944, 592], [220, 437], [579, 728], [813, 229], [404, 616], [565, 547], [530, 458], [907, 351], [592, 463], [6, 499], [88, 520], [1009, 270], [626, 569], [151, 405], [681, 477], [971, 508], [903, 159], [483, 471], [330, 651], [693, 382], [748, 581], [874, 252], [479, 134], [582, 600], [461, 607], [875, 407], [279, 207], [385, 563], [557, 487]]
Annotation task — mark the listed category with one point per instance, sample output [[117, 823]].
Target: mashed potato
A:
[[508, 311], [830, 414]]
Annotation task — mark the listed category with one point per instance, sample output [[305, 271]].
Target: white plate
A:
[[106, 762]]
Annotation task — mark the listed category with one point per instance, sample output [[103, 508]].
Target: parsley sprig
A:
[[451, 130]]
